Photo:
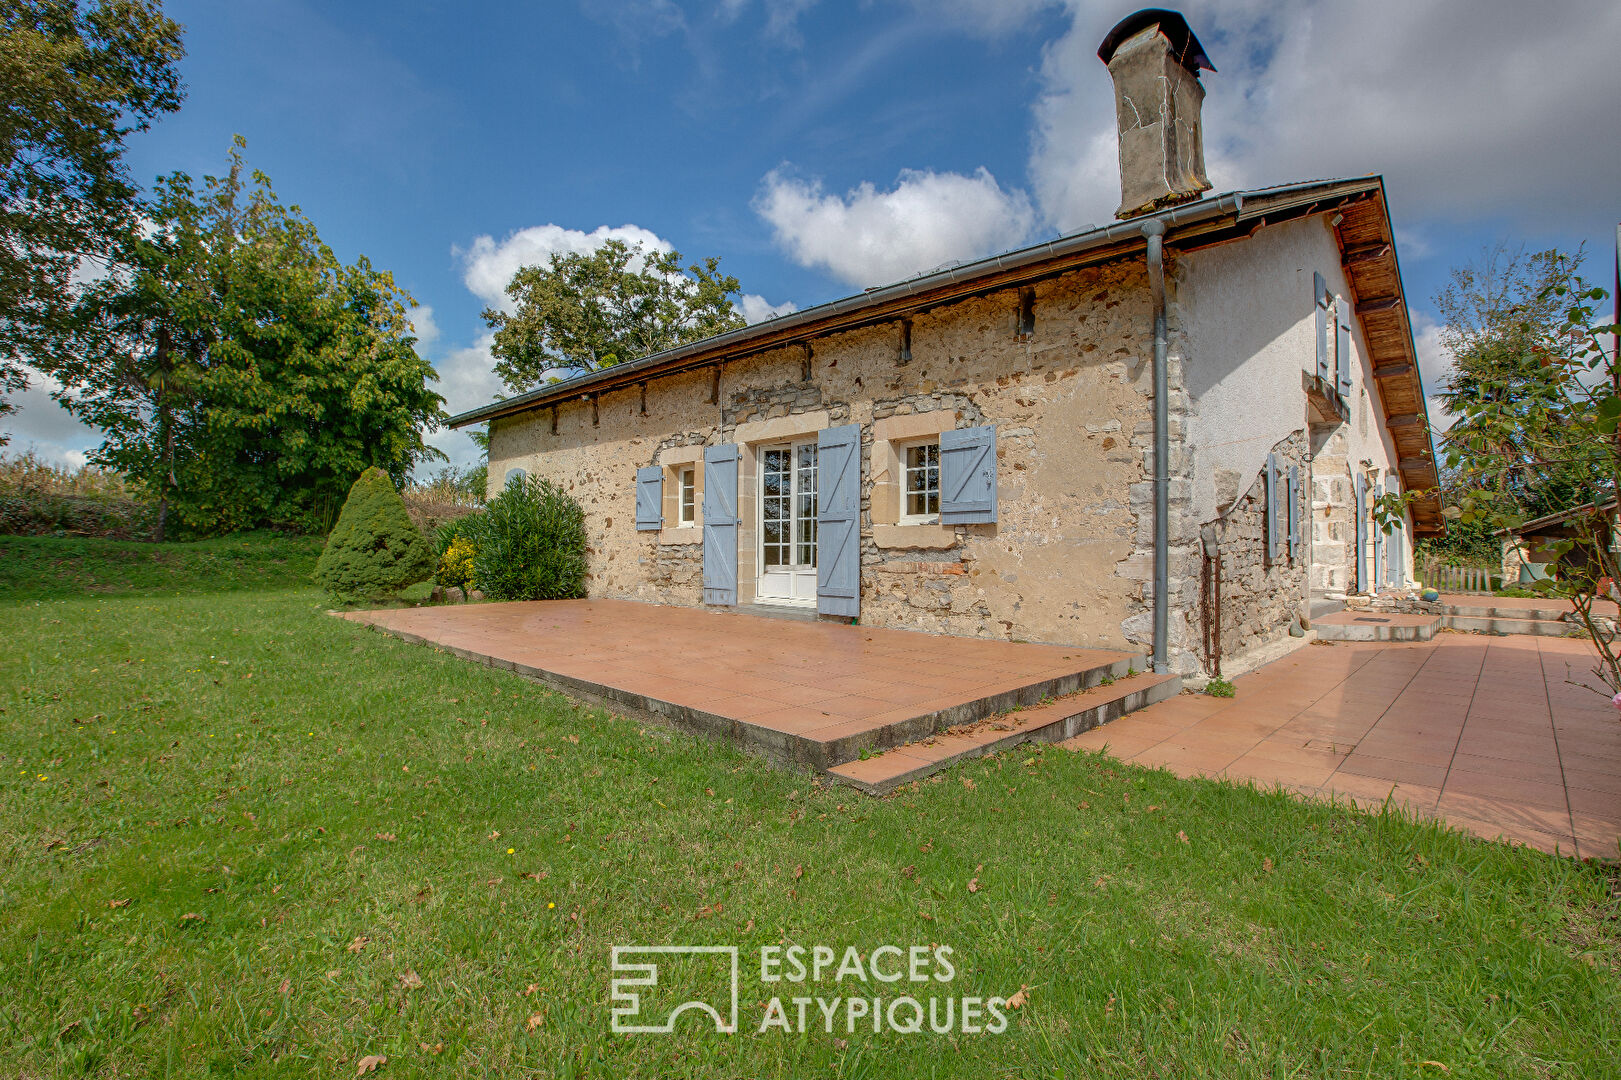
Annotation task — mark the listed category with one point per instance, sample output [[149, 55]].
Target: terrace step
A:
[[1375, 626], [1487, 610], [1058, 720], [1323, 607], [1524, 621]]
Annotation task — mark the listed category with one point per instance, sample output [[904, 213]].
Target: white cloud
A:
[[1434, 364], [488, 265], [423, 327], [781, 16], [758, 308], [1468, 107], [41, 425], [871, 237]]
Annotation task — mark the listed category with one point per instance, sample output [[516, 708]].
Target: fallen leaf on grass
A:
[[1435, 1064], [387, 836], [370, 1063], [118, 903], [574, 739], [968, 782], [709, 909], [1182, 836], [410, 980], [358, 943], [531, 989], [436, 1048], [973, 884], [192, 916], [799, 872], [909, 871], [1266, 865], [1021, 996], [535, 1020], [285, 988]]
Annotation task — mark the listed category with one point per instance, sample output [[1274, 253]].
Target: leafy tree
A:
[[584, 312], [1538, 402], [374, 550], [239, 373], [76, 79], [1503, 315]]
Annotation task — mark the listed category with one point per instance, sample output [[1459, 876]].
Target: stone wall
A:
[[1260, 596], [1070, 558]]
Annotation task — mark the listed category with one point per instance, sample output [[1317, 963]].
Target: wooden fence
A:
[[1459, 579]]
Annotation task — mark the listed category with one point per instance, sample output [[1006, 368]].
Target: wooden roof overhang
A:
[[1368, 253], [1220, 219]]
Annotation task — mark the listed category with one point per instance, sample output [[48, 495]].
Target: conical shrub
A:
[[373, 551]]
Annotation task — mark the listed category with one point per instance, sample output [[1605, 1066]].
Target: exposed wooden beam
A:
[[596, 416], [1417, 463], [1385, 371], [1362, 253], [643, 386], [714, 385], [1404, 421], [1378, 304], [805, 362], [554, 419]]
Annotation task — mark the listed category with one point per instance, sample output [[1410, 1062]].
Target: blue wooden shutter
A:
[[1320, 300], [1342, 344], [1294, 511], [1271, 489], [838, 520], [720, 524], [1361, 581], [649, 498], [1378, 538], [968, 476]]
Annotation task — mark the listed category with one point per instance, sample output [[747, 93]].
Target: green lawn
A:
[[211, 792]]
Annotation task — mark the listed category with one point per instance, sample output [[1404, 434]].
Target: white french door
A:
[[787, 523]]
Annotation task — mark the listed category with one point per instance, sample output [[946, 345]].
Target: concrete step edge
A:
[[1531, 627], [1062, 722]]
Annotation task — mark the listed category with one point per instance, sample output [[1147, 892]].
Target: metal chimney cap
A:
[[1189, 53]]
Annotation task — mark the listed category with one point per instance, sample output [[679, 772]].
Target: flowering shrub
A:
[[456, 564]]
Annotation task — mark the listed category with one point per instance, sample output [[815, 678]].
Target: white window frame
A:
[[903, 451], [686, 497]]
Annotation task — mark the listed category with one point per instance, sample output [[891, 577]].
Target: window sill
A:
[[681, 534], [907, 535]]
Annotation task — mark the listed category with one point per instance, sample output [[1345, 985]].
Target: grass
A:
[[238, 833]]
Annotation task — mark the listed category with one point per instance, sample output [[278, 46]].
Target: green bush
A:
[[456, 564], [530, 541], [374, 550]]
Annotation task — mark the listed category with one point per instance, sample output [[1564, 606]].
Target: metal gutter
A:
[[1154, 233], [825, 318]]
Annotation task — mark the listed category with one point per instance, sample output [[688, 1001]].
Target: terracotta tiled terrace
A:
[[1488, 733], [805, 692]]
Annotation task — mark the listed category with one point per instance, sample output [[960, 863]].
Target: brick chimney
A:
[[1154, 60]]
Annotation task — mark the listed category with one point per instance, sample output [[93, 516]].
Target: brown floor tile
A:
[[1393, 770], [1605, 805], [1509, 789], [1371, 792]]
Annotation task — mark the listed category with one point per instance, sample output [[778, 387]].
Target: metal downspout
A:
[[1154, 230]]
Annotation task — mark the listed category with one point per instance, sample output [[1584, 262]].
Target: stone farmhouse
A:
[[1164, 435]]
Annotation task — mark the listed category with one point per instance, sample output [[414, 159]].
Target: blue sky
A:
[[818, 146]]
